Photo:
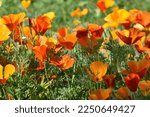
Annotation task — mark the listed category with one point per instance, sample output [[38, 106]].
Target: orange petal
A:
[[99, 69], [132, 81], [13, 20], [40, 52], [139, 67], [144, 86], [62, 32], [101, 5], [101, 94], [123, 93], [64, 62]]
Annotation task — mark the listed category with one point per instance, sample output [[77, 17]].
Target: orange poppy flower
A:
[[13, 20], [6, 72], [65, 39], [142, 17], [81, 32], [28, 31], [118, 16], [51, 43], [144, 86], [98, 70], [140, 48], [133, 37], [110, 80], [64, 62], [41, 24], [143, 45], [4, 33], [132, 81], [101, 94], [40, 52], [18, 36], [123, 93], [130, 20], [82, 35], [26, 3], [103, 5], [79, 13], [138, 67], [95, 30]]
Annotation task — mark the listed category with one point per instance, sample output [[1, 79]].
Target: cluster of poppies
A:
[[125, 27]]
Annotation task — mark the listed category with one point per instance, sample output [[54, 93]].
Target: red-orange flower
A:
[[138, 67], [89, 37], [64, 62], [41, 24], [140, 47], [40, 53], [103, 5], [95, 30], [101, 94], [82, 35], [123, 93], [110, 80], [142, 17], [28, 31], [13, 20], [134, 35], [65, 39], [132, 81]]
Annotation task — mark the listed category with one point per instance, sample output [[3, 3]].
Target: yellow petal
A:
[[52, 40], [118, 16], [26, 3], [9, 70], [4, 33], [1, 72], [85, 11], [51, 15], [109, 3], [2, 21], [123, 15], [76, 22]]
